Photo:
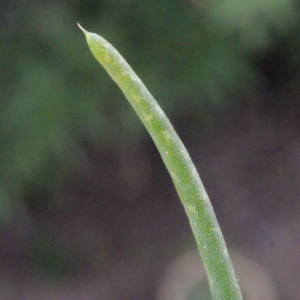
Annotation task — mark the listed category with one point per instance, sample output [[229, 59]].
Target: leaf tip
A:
[[83, 30]]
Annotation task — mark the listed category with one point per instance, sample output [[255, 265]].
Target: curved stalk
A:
[[209, 238]]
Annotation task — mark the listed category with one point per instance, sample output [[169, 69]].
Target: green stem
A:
[[221, 277]]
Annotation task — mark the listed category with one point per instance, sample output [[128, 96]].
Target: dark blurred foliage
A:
[[198, 58]]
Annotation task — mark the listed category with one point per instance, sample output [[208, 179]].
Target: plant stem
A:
[[209, 238]]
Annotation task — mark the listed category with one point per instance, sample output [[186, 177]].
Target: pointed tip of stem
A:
[[83, 30]]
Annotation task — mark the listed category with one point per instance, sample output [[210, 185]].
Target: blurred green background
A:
[[87, 209]]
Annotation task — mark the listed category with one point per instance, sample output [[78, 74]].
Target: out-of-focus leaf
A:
[[256, 23]]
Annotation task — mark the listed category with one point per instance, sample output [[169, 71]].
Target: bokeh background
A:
[[87, 208]]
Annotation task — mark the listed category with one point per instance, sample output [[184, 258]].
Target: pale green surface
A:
[[188, 184]]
